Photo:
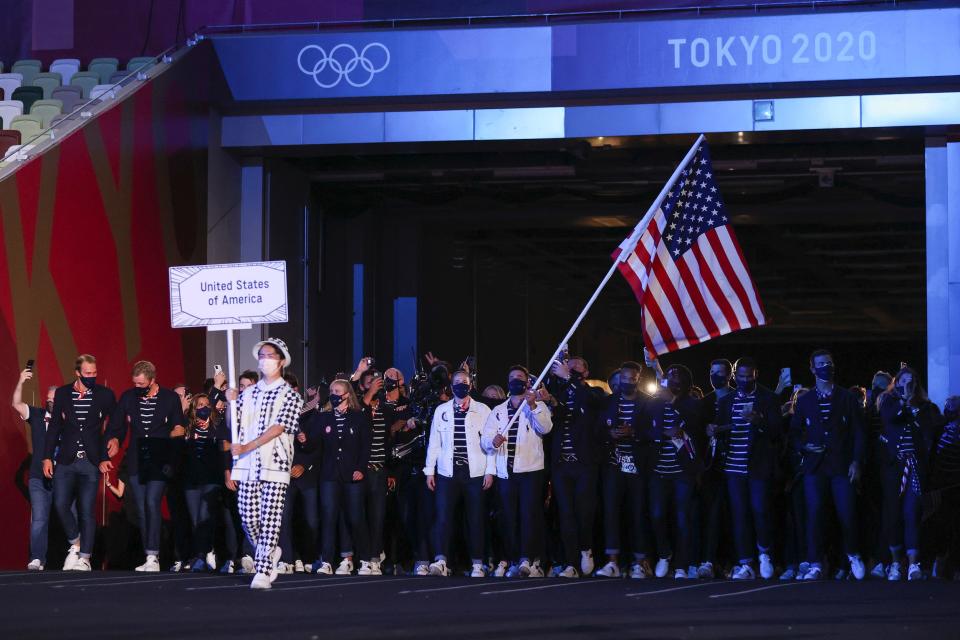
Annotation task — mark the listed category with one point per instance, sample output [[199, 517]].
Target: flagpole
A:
[[627, 250]]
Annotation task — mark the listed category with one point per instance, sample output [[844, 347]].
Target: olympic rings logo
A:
[[343, 63]]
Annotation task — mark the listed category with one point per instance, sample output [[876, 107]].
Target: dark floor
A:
[[123, 604]]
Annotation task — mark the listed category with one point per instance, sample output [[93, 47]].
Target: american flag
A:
[[687, 269]]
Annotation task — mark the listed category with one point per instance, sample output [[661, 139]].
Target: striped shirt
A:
[[667, 463], [906, 446], [738, 452], [946, 470], [378, 442], [148, 406], [511, 436], [624, 450], [81, 407], [459, 435], [566, 442], [825, 400]]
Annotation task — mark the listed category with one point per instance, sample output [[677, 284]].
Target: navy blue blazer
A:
[[691, 413], [922, 426], [585, 430], [340, 454], [609, 418], [766, 435], [64, 429], [843, 435]]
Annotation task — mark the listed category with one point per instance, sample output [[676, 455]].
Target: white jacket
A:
[[260, 407], [440, 446], [532, 425]]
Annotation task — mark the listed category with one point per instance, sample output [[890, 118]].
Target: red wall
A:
[[87, 231]]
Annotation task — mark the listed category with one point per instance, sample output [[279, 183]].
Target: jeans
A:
[[575, 490], [450, 492], [336, 496], [148, 496], [749, 501], [309, 495], [711, 500], [816, 488], [901, 514], [673, 491], [202, 505], [375, 496], [521, 498], [79, 480], [41, 503], [624, 492]]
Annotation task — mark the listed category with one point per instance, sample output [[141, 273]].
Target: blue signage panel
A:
[[769, 49]]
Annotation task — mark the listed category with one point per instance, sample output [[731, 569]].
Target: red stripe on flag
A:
[[731, 276]]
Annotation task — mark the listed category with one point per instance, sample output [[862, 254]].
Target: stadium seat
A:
[[118, 76], [46, 110], [8, 138], [104, 67], [27, 94], [103, 91], [66, 67], [86, 80], [27, 68], [139, 63], [71, 96], [10, 109], [29, 127], [48, 82], [9, 82]]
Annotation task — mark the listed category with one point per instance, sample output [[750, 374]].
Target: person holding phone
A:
[[513, 433], [36, 420]]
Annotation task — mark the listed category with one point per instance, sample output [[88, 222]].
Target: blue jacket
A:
[[843, 435], [586, 432], [691, 413], [766, 435], [65, 429], [340, 453]]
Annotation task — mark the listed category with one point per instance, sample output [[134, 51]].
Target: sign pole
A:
[[232, 383]]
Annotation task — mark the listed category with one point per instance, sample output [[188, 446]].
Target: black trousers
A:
[[575, 490], [521, 498], [450, 492], [624, 492]]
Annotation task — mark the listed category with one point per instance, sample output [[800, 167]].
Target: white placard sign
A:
[[228, 294]]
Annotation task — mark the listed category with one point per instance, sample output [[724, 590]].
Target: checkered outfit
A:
[[260, 502]]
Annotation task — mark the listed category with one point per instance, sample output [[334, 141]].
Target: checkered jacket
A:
[[260, 407]]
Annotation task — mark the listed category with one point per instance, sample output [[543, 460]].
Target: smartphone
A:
[[29, 365], [786, 374], [369, 362], [217, 369]]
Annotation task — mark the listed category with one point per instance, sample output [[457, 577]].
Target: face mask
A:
[[142, 391], [203, 413], [269, 366], [460, 390], [676, 387], [335, 400], [719, 381], [517, 387], [88, 382], [627, 389], [746, 386], [824, 372]]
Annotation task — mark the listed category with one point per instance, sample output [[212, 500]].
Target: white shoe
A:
[[569, 572], [663, 566], [513, 572], [345, 568], [893, 572], [275, 563], [227, 567], [743, 572], [246, 563], [478, 571], [152, 565], [364, 569], [176, 567], [298, 567], [789, 574], [73, 554], [813, 573], [211, 561], [536, 571], [35, 565], [325, 569], [83, 564], [878, 571], [679, 574], [501, 569], [609, 570], [637, 572], [375, 569], [856, 567], [586, 562], [439, 568], [422, 569], [914, 572], [524, 568], [284, 569], [766, 566], [705, 570], [261, 581]]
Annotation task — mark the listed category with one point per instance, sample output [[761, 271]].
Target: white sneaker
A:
[[705, 570], [586, 562], [637, 572], [375, 569], [569, 572], [261, 581], [878, 571], [893, 572], [914, 572], [298, 566], [766, 566], [284, 568], [524, 568], [609, 570], [501, 569], [176, 567], [364, 569], [211, 561], [513, 572], [813, 573], [73, 554], [227, 567], [857, 568], [536, 571], [743, 572], [325, 569], [152, 565], [439, 568], [478, 571], [679, 574], [35, 565], [83, 564], [345, 568], [663, 566], [789, 574], [275, 563], [422, 569], [246, 563]]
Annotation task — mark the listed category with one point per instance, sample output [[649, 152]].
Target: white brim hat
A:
[[279, 344]]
